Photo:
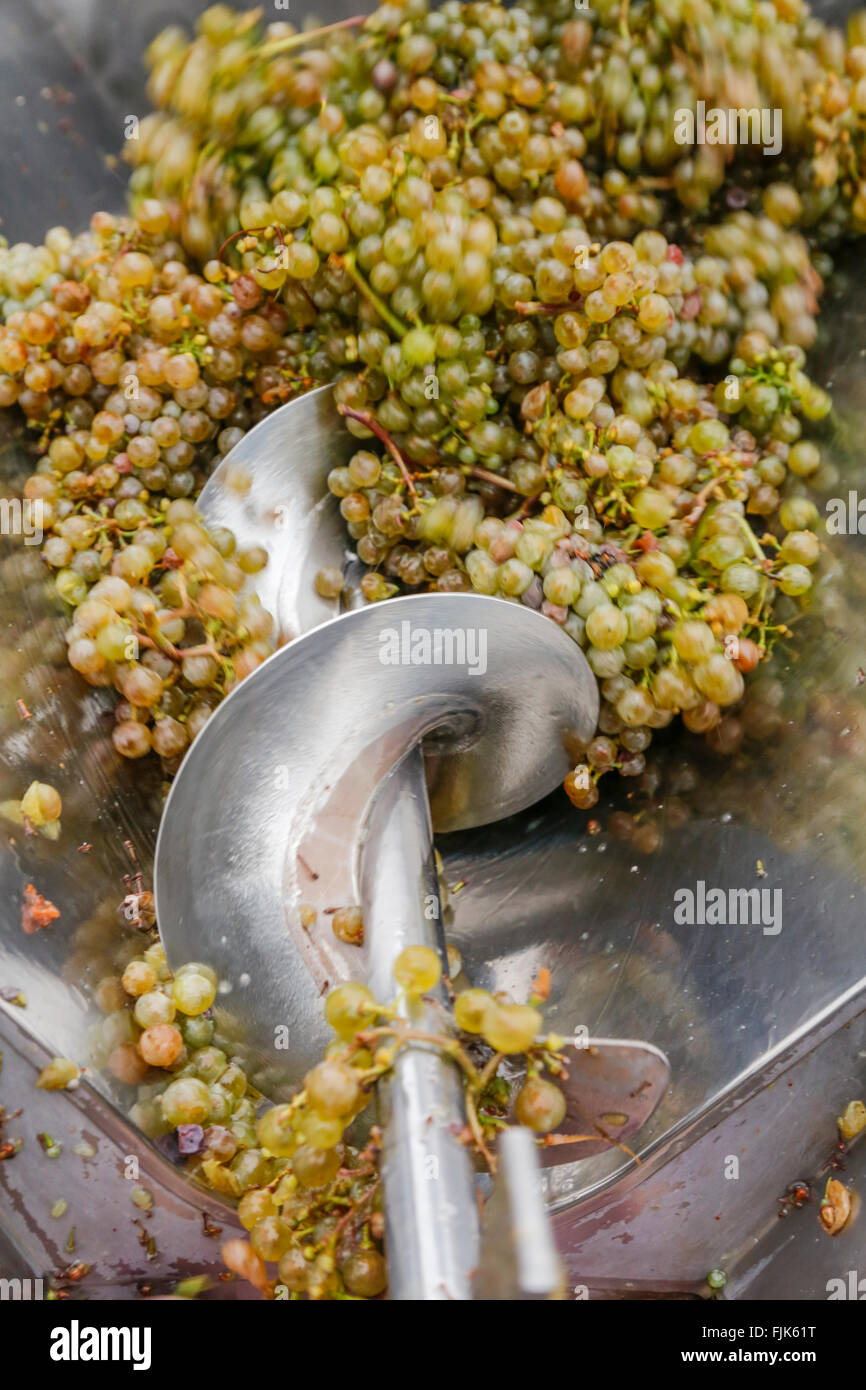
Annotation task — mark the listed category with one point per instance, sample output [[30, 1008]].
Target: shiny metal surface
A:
[[723, 1003], [266, 814], [100, 1164], [431, 1212], [270, 491], [518, 1255], [708, 1193], [612, 1089], [280, 465]]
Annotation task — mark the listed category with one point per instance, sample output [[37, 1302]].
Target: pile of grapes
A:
[[309, 1197], [574, 356], [571, 350]]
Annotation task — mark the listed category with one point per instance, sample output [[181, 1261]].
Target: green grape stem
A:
[[347, 263], [293, 41]]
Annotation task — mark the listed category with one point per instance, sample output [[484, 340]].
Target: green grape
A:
[[193, 993], [804, 458], [799, 548], [332, 1089], [539, 1105], [794, 579], [348, 1008], [209, 1063], [270, 1238], [293, 1270], [798, 514], [275, 1131], [606, 626], [154, 1008], [652, 509], [316, 1167], [319, 1131], [718, 679], [742, 579], [471, 1008], [693, 640], [186, 1102], [634, 707], [365, 1273], [255, 1205], [511, 1028], [417, 969]]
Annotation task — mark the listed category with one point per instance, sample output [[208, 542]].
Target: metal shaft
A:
[[431, 1213], [519, 1259]]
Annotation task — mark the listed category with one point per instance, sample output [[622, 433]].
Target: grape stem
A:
[[523, 509], [477, 1132], [249, 231], [537, 306], [488, 477], [702, 498], [550, 1140], [353, 1212], [490, 1070], [268, 50], [448, 1045], [347, 263], [372, 424], [753, 542], [178, 653]]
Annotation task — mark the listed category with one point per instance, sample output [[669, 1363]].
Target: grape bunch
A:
[[629, 70], [310, 1199], [535, 95], [586, 397], [559, 405], [133, 374], [647, 497]]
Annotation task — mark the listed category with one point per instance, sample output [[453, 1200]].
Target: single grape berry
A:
[[315, 1167], [333, 1089], [471, 1009], [193, 993], [540, 1105], [512, 1028], [365, 1273], [254, 1206], [348, 1008], [275, 1131], [417, 969], [186, 1102]]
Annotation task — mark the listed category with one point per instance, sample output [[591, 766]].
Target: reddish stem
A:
[[249, 231], [371, 423], [536, 306], [488, 477]]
